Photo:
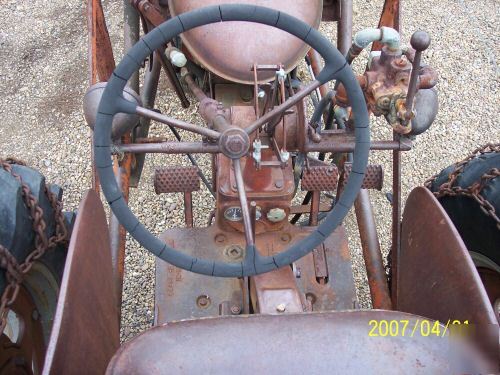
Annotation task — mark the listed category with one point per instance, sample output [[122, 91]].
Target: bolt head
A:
[[234, 143], [235, 310]]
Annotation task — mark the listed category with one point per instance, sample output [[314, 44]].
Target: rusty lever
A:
[[420, 41]]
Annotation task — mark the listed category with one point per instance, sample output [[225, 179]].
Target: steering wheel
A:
[[233, 142]]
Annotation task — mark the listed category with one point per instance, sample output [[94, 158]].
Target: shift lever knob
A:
[[420, 41]]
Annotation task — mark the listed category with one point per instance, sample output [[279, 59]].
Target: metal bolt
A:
[[203, 301], [281, 308], [400, 62], [220, 238], [234, 252], [279, 184], [235, 310], [35, 315], [285, 237]]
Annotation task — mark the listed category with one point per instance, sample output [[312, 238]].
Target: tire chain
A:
[[14, 271], [473, 191]]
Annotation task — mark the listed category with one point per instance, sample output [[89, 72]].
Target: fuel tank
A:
[[230, 49]]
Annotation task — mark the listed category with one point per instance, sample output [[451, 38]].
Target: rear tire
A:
[[479, 231], [29, 321]]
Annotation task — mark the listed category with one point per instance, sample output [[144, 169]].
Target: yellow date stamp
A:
[[419, 327]]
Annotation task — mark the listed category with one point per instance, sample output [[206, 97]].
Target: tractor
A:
[[267, 284]]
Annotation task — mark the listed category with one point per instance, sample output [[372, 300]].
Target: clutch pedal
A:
[[374, 176]]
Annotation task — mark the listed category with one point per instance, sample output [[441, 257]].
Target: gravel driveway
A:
[[43, 78]]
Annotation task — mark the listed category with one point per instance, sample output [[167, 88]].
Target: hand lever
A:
[[420, 41]]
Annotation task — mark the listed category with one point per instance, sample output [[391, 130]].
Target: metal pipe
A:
[[168, 148], [195, 89], [148, 97], [316, 68], [188, 209], [131, 36], [396, 220], [344, 26], [385, 35], [313, 215], [348, 146], [176, 123], [240, 184], [377, 280], [284, 106]]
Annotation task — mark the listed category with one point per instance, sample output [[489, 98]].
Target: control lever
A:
[[420, 41]]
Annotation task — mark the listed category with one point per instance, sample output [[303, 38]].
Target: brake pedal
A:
[[374, 176], [179, 179], [176, 179], [320, 178]]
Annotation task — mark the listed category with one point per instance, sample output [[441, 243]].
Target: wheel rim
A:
[[29, 322]]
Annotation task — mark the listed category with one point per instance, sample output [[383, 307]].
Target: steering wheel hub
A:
[[234, 143]]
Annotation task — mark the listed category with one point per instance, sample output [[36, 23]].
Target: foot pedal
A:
[[374, 176], [320, 178], [176, 179]]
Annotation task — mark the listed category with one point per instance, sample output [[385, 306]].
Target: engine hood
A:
[[230, 49]]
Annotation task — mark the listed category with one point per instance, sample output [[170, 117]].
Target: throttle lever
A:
[[420, 41]]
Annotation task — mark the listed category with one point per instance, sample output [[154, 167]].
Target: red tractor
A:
[[267, 285]]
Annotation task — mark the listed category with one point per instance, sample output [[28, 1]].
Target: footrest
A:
[[176, 179], [374, 176]]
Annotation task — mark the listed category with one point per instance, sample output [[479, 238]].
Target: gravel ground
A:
[[43, 78]]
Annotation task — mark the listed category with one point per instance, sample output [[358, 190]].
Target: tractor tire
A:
[[35, 306], [479, 231]]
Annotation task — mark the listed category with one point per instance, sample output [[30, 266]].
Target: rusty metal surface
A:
[[344, 26], [374, 176], [27, 352], [169, 148], [337, 291], [314, 343], [331, 10], [176, 290], [436, 276], [377, 280], [320, 178], [230, 49], [276, 292], [85, 333], [176, 179], [343, 141], [100, 51]]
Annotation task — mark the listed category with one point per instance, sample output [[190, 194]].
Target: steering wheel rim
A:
[[112, 102]]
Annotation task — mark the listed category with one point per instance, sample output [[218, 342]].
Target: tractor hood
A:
[[230, 49]]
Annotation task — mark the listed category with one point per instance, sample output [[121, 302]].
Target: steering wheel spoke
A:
[[153, 115], [247, 220]]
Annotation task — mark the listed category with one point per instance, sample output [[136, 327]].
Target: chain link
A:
[[15, 271], [473, 191]]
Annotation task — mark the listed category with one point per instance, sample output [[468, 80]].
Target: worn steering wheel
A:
[[112, 102]]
